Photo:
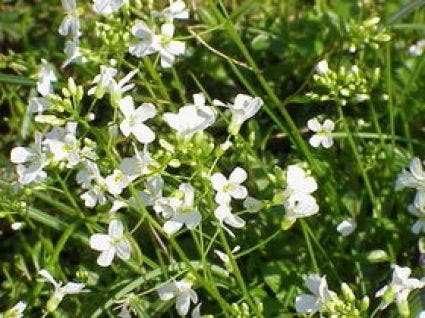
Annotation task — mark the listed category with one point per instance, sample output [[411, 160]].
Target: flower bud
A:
[[347, 292]]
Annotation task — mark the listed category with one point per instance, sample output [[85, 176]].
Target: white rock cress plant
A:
[[150, 185]]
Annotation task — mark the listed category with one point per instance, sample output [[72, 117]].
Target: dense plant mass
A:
[[239, 158]]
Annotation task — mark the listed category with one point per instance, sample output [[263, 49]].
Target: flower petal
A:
[[100, 242], [106, 257], [238, 175]]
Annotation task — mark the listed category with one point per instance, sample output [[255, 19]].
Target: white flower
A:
[[60, 291], [103, 81], [322, 67], [252, 204], [116, 89], [179, 212], [414, 178], [63, 144], [71, 23], [137, 165], [152, 43], [117, 182], [106, 7], [110, 244], [73, 53], [399, 289], [347, 227], [177, 10], [417, 49], [323, 133], [16, 226], [182, 291], [16, 311], [421, 314], [224, 215], [153, 192], [229, 188], [89, 177], [133, 122], [242, 109], [46, 76], [418, 209], [191, 118], [320, 294], [299, 202], [31, 161]]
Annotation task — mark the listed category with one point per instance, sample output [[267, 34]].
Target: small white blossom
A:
[[39, 104], [322, 67], [176, 10], [229, 188], [106, 7], [152, 43], [417, 49], [412, 178], [133, 122], [137, 165], [153, 192], [182, 291], [90, 179], [347, 227], [242, 109], [179, 212], [110, 244], [63, 144], [418, 209], [46, 75], [117, 182], [320, 294], [30, 161], [224, 215], [323, 133], [191, 118], [103, 81], [399, 289], [71, 23], [16, 226], [60, 291], [299, 202]]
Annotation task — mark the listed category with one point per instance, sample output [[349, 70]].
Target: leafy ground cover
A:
[[221, 158]]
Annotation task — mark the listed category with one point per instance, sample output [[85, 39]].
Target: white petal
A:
[[100, 242], [314, 125], [126, 105], [222, 198], [21, 154], [315, 140], [166, 292], [167, 29], [182, 304], [239, 192], [106, 257], [143, 134], [192, 219], [307, 304], [176, 47], [329, 125], [73, 288], [327, 141], [116, 229], [238, 175], [47, 276], [189, 194], [123, 249], [172, 226], [145, 111], [218, 181], [199, 99]]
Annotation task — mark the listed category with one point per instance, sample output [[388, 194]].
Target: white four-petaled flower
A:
[[162, 43], [229, 188], [106, 7], [182, 291], [60, 291], [242, 109], [176, 10], [320, 294], [191, 118], [323, 133], [134, 118], [399, 289], [110, 244]]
